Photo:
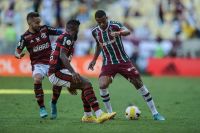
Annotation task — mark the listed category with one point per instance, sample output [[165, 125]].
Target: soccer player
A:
[[37, 42], [61, 73], [108, 38]]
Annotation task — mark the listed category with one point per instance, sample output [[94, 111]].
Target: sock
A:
[[39, 94], [56, 93], [90, 97], [98, 113], [106, 99], [147, 97], [86, 105], [88, 114]]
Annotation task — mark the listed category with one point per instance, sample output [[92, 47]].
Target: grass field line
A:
[[24, 91]]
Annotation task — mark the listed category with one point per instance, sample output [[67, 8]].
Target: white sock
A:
[[106, 99], [87, 113], [98, 112], [147, 97]]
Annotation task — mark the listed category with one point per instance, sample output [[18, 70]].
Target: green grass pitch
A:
[[177, 98]]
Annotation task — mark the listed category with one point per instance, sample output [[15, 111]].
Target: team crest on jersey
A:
[[37, 39], [43, 35]]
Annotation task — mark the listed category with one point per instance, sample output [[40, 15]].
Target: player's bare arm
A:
[[123, 32], [67, 65], [96, 55]]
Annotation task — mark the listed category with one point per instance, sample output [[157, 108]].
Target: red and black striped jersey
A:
[[67, 42], [38, 44]]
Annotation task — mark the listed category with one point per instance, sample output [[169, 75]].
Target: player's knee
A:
[[87, 84], [104, 85], [137, 83], [37, 78]]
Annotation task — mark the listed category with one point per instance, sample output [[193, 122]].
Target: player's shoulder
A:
[[113, 22], [44, 28], [26, 35], [63, 37], [95, 29]]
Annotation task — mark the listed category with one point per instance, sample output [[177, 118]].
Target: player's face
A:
[[102, 22], [35, 24], [74, 31]]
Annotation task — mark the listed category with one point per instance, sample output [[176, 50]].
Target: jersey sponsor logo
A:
[[132, 68], [108, 42], [41, 47]]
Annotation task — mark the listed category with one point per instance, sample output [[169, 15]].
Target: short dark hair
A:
[[100, 14], [32, 15], [71, 23]]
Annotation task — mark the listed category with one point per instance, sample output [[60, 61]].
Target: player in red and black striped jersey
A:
[[37, 42], [61, 73], [108, 38]]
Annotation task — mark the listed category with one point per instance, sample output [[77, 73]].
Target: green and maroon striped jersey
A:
[[112, 47]]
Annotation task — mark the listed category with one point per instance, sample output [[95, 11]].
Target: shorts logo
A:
[[132, 68]]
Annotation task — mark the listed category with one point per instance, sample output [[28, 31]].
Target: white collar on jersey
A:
[[106, 27]]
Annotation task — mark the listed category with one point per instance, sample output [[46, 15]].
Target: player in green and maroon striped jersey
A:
[[108, 38]]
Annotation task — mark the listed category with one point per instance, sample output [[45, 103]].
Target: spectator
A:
[[10, 38]]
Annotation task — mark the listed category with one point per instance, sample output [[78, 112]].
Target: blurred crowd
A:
[[160, 28]]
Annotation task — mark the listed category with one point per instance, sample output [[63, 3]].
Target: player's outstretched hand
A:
[[20, 56], [76, 77], [91, 65], [72, 91], [114, 34]]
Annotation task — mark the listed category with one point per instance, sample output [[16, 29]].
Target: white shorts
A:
[[40, 69], [60, 82]]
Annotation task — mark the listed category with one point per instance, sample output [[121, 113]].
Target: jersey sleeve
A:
[[54, 31], [118, 25], [22, 43], [64, 42], [94, 34]]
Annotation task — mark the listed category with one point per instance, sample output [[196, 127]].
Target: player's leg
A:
[[39, 94], [104, 82], [130, 73], [88, 116], [55, 96], [105, 79], [90, 101]]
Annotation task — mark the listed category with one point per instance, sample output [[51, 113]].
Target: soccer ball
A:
[[132, 113]]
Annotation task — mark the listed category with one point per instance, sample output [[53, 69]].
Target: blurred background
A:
[[161, 29]]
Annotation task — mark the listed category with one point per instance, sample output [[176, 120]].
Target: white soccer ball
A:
[[132, 113]]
